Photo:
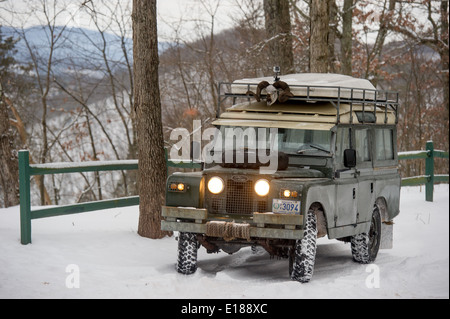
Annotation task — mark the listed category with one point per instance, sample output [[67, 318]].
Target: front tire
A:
[[187, 253], [365, 246], [302, 259]]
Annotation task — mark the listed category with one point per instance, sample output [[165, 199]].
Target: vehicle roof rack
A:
[[336, 95]]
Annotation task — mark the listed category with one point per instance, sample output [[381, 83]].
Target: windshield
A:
[[289, 141]]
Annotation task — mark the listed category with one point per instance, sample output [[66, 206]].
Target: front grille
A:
[[262, 206], [238, 198]]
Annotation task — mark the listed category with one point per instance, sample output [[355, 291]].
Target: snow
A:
[[417, 152], [114, 262], [84, 164], [411, 153], [316, 85]]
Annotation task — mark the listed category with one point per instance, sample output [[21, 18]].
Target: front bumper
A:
[[260, 225]]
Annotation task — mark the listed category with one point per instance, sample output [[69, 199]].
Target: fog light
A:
[[181, 187], [287, 193], [262, 187]]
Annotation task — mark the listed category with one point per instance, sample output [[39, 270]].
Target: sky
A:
[[192, 13], [185, 18]]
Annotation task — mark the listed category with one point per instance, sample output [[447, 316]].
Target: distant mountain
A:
[[77, 63], [75, 46]]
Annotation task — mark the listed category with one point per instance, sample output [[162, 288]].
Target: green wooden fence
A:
[[26, 171], [429, 179]]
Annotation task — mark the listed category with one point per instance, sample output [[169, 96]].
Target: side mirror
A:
[[350, 158]]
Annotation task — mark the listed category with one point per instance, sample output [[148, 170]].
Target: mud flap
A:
[[387, 235]]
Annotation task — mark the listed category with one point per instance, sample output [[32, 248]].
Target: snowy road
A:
[[103, 254]]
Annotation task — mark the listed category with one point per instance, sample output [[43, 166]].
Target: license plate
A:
[[281, 206]]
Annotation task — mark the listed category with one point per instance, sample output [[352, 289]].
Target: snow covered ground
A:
[[102, 253]]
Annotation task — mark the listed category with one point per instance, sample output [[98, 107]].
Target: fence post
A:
[[25, 200], [429, 172]]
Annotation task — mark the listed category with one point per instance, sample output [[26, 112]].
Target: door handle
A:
[[356, 173]]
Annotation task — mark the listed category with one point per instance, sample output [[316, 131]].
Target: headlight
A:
[[216, 185], [262, 187]]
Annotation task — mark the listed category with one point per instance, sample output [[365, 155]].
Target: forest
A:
[[67, 92]]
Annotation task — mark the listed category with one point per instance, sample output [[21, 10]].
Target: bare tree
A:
[[435, 35], [318, 43], [9, 173], [114, 85], [375, 51], [111, 24], [43, 64], [346, 38], [19, 125], [278, 31], [193, 64], [152, 163]]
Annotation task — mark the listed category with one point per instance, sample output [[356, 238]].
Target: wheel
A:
[[365, 246], [303, 256], [187, 253]]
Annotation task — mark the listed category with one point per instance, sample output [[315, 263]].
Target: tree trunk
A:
[[318, 43], [346, 40], [332, 36], [278, 29], [9, 172], [152, 163], [443, 51], [385, 20]]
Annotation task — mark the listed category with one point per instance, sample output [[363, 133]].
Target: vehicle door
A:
[[364, 173], [346, 181]]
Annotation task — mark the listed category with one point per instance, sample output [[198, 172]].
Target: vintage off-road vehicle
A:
[[336, 174]]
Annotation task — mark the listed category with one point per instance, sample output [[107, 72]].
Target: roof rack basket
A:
[[352, 96]]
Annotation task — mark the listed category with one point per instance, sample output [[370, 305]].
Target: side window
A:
[[384, 144], [343, 141], [362, 145]]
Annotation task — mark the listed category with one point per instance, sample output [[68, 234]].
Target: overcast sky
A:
[[170, 12], [182, 16]]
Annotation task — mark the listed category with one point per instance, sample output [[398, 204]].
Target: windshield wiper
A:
[[314, 147], [320, 149]]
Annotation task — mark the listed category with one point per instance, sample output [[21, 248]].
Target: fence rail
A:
[[26, 171], [429, 179]]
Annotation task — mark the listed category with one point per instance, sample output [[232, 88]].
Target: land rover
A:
[[333, 139]]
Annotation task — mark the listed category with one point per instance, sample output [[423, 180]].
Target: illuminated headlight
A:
[[262, 187], [216, 185]]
